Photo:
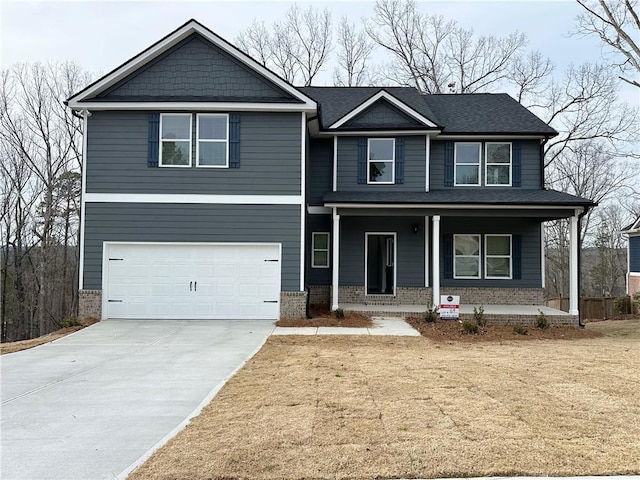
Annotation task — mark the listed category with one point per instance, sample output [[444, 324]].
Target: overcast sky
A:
[[100, 35]]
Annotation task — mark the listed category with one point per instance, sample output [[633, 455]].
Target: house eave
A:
[[452, 206], [188, 106]]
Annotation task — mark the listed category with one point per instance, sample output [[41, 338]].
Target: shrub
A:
[[470, 327], [478, 315], [519, 329], [622, 304], [541, 321], [70, 322], [636, 299], [431, 314], [338, 313]]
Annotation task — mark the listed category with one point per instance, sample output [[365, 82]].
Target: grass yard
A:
[[331, 407]]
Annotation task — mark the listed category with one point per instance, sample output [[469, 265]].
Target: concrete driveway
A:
[[89, 405]]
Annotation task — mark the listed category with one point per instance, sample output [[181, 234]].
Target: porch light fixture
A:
[[415, 227]]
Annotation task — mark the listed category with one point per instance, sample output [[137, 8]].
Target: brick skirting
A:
[[293, 304], [496, 296], [90, 304], [319, 294], [404, 296]]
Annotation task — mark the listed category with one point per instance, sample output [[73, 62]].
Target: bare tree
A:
[[617, 24], [354, 55], [296, 48], [438, 56]]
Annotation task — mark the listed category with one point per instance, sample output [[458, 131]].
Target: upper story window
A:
[[467, 164], [212, 149], [381, 160], [175, 140], [498, 164]]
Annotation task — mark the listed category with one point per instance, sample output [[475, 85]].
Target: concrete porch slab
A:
[[464, 309]]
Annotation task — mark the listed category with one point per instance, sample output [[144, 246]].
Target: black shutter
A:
[[517, 256], [448, 164], [234, 140], [447, 250], [153, 149], [362, 160], [516, 181], [399, 160]]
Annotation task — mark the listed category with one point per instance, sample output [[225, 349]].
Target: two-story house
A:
[[212, 188]]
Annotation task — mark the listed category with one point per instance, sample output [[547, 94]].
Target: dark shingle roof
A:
[[336, 102], [485, 113], [507, 196], [472, 113]]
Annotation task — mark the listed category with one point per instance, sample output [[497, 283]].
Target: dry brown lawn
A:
[[361, 407]]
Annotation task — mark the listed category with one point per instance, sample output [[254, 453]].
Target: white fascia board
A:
[[169, 41], [187, 106], [446, 206], [193, 198], [391, 99], [376, 133]]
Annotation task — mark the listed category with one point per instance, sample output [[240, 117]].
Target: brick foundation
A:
[[90, 304], [319, 294], [293, 304], [633, 280], [404, 296], [496, 296], [526, 320]]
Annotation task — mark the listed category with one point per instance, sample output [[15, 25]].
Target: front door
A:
[[380, 261]]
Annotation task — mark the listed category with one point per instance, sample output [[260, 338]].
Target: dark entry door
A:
[[381, 261]]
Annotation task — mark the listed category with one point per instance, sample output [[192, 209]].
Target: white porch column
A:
[[574, 289], [435, 254], [336, 259]]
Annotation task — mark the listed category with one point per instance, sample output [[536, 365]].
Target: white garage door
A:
[[212, 281]]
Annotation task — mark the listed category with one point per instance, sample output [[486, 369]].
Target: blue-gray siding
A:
[[409, 247], [127, 222], [380, 115], [318, 223], [529, 229], [530, 165], [634, 254], [195, 69], [270, 158], [414, 166], [320, 171]]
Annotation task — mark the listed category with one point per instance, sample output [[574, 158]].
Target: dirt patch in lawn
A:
[[327, 407], [12, 347], [452, 330], [323, 317]]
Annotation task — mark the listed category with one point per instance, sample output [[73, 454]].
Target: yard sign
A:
[[449, 307]]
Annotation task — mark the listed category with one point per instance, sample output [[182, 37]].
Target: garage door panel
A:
[[193, 281]]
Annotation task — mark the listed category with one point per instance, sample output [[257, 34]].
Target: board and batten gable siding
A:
[[409, 247], [528, 229], [414, 166], [382, 114], [634, 253], [530, 164], [270, 158], [195, 69], [320, 171], [134, 222]]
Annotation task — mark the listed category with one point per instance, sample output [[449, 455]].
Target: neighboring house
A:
[[214, 189], [633, 257]]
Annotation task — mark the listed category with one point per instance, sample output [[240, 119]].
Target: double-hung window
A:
[[466, 262], [498, 164], [320, 248], [381, 160], [175, 140], [497, 256], [213, 140], [467, 163]]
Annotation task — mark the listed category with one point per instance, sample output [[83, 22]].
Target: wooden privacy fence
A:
[[590, 307]]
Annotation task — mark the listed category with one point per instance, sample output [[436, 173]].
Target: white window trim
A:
[[392, 160], [479, 256], [510, 256], [314, 250], [161, 140], [487, 163], [456, 163], [208, 140]]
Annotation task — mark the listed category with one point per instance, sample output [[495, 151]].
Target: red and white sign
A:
[[449, 307]]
